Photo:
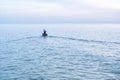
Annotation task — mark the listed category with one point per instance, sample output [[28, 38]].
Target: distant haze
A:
[[59, 11]]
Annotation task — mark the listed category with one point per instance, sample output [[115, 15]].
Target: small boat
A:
[[44, 34]]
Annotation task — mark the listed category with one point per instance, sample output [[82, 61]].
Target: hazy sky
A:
[[59, 11]]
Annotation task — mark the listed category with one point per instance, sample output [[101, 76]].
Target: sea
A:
[[69, 52]]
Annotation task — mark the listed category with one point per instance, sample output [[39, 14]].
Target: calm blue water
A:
[[70, 52]]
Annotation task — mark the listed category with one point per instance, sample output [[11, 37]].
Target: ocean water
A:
[[70, 52]]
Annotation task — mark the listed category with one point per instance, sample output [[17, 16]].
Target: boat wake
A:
[[68, 38], [85, 40], [25, 38]]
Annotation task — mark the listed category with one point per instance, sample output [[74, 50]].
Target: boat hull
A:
[[44, 35]]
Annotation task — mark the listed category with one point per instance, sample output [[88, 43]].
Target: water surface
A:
[[70, 52]]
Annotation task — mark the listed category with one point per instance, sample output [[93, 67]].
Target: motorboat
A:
[[44, 34]]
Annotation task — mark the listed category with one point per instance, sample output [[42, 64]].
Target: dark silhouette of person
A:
[[44, 31]]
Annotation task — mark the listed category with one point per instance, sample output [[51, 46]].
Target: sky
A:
[[59, 11]]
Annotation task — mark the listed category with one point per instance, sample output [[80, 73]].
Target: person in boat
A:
[[44, 33]]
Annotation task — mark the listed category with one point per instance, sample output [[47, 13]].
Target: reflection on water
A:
[[69, 54]]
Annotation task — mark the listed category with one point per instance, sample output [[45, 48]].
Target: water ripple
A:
[[69, 38]]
